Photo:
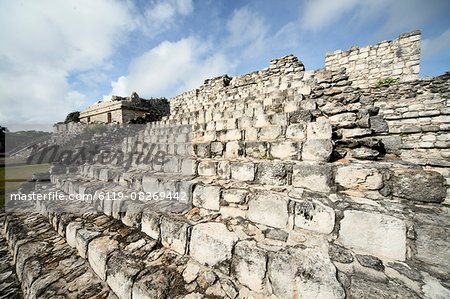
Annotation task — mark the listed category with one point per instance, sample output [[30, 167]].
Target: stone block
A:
[[271, 173], [211, 243], [296, 132], [122, 269], [256, 150], [314, 216], [174, 234], [270, 132], [316, 177], [84, 236], [358, 177], [300, 116], [71, 233], [234, 149], [224, 170], [217, 148], [433, 242], [268, 209], [285, 150], [234, 134], [150, 224], [244, 172], [187, 167], [249, 265], [319, 130], [357, 132], [317, 150], [98, 252], [207, 197], [207, 168], [376, 234], [418, 185], [234, 196], [303, 273], [202, 150]]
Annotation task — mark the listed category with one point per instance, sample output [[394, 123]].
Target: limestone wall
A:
[[366, 66]]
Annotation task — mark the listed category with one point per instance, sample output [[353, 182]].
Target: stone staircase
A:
[[276, 184]]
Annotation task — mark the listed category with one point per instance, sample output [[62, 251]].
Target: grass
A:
[[15, 176]]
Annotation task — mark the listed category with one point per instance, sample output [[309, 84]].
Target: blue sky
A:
[[61, 56]]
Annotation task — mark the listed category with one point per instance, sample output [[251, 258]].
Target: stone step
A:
[[9, 283], [133, 264], [45, 264]]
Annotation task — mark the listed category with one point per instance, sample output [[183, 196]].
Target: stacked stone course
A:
[[304, 184]]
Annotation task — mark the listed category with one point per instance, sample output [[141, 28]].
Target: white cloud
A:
[[437, 44], [396, 16], [42, 43], [247, 30], [320, 14], [170, 68], [161, 15]]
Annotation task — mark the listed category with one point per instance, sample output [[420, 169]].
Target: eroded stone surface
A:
[[377, 234], [211, 243]]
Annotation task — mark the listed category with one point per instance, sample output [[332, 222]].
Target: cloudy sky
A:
[[62, 56]]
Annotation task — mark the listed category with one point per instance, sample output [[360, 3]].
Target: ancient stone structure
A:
[[125, 109], [299, 184]]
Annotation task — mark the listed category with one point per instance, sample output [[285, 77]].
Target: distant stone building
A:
[[126, 109]]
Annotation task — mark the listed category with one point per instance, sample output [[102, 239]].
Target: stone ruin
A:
[[300, 184], [126, 109]]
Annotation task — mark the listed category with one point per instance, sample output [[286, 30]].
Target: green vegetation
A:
[[17, 175], [73, 117], [387, 81], [267, 156]]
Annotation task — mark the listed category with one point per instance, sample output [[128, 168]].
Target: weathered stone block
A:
[[174, 234], [358, 177], [285, 150], [249, 265], [224, 169], [234, 149], [150, 224], [314, 216], [83, 237], [211, 243], [207, 197], [244, 172], [71, 233], [296, 132], [122, 269], [234, 134], [357, 132], [270, 132], [316, 177], [432, 239], [234, 196], [344, 119], [271, 173], [202, 150], [290, 272], [317, 150], [376, 234], [217, 148], [418, 185], [269, 209], [207, 168], [256, 149], [98, 252], [319, 130]]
